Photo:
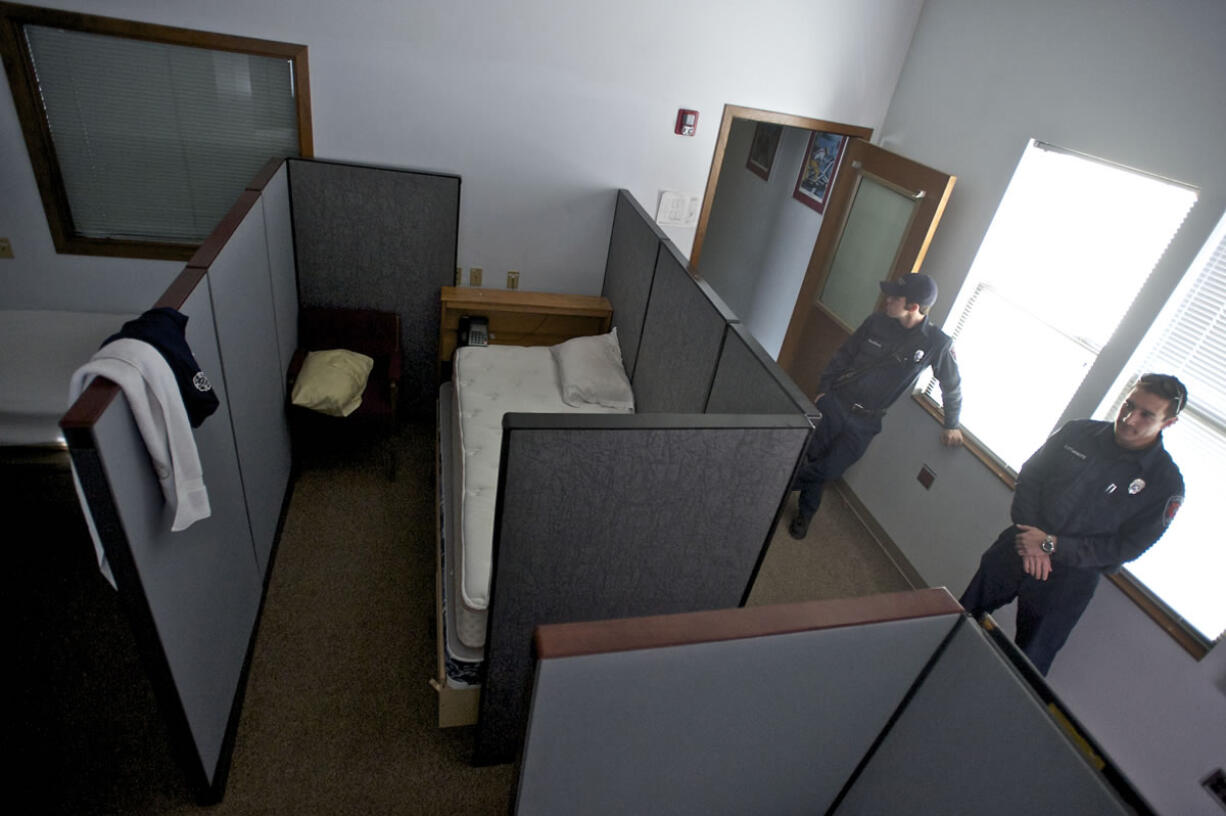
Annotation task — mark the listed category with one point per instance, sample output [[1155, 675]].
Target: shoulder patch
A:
[[1172, 507]]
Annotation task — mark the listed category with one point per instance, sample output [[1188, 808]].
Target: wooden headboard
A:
[[521, 318]]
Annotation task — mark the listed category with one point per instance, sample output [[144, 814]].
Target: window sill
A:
[[1167, 619]]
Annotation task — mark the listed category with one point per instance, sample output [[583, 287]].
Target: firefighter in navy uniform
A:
[[875, 366], [1095, 495]]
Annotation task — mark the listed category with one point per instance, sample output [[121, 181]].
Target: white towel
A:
[[153, 395]]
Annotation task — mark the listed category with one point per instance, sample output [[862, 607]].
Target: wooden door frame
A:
[[721, 146], [911, 252]]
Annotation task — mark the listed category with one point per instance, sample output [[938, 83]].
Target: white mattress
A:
[[39, 351], [489, 382]]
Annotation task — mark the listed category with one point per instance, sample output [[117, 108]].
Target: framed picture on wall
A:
[[821, 162], [762, 149]]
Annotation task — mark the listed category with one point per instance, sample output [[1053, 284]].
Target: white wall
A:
[[1140, 83], [542, 106]]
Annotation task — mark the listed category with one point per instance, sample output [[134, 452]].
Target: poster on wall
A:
[[821, 162], [762, 149]]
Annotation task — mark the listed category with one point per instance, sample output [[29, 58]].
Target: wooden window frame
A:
[[1170, 621], [23, 82]]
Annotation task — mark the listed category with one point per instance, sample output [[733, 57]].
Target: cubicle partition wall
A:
[[193, 597], [632, 515], [889, 704], [666, 510], [379, 238]]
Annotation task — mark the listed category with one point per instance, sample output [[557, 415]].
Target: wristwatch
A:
[[1049, 544]]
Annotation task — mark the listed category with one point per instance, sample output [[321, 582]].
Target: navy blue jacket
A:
[[894, 356], [1105, 504]]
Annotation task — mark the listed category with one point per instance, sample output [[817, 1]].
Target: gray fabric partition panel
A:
[[975, 738], [611, 516], [278, 227], [770, 724], [682, 336], [197, 591], [241, 287], [748, 381], [633, 247], [375, 238]]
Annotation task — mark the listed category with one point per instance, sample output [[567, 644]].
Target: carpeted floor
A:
[[339, 717]]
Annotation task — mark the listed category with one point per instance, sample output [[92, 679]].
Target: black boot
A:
[[799, 527]]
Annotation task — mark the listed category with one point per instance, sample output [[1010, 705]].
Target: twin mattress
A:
[[489, 382]]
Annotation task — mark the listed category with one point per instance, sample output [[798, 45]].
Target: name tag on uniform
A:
[[1075, 452], [874, 343]]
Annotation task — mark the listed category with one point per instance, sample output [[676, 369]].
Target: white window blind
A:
[[1073, 240], [156, 141], [1188, 340]]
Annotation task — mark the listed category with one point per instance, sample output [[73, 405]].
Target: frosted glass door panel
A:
[[875, 228]]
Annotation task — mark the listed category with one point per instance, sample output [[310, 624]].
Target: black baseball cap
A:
[[914, 288], [165, 329]]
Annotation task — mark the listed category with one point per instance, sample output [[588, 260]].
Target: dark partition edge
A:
[[894, 715], [132, 597], [492, 753], [783, 503], [1088, 746]]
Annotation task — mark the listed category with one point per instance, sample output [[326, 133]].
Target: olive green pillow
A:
[[332, 381]]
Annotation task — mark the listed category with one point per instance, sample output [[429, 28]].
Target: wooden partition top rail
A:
[[658, 631]]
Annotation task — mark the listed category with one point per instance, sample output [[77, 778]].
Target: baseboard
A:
[[887, 545]]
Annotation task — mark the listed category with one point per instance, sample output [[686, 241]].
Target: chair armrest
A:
[[393, 366]]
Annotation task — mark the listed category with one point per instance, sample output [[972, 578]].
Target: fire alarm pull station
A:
[[687, 122]]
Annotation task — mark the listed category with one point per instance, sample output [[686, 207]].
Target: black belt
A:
[[856, 409]]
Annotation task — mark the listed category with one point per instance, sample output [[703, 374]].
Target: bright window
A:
[[1072, 242], [1185, 568]]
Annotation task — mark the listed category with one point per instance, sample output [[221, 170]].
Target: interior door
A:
[[882, 212]]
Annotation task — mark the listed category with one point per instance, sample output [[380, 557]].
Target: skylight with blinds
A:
[[155, 141]]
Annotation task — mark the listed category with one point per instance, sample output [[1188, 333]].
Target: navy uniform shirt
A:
[[1105, 504], [893, 357]]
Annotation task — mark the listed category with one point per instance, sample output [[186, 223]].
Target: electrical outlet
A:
[[512, 279], [474, 276], [6, 248]]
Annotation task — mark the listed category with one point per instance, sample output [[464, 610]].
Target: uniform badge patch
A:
[[1172, 507], [919, 355], [202, 382], [1136, 486]]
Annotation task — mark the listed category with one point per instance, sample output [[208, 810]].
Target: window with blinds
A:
[[1185, 567], [1073, 240], [143, 136]]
